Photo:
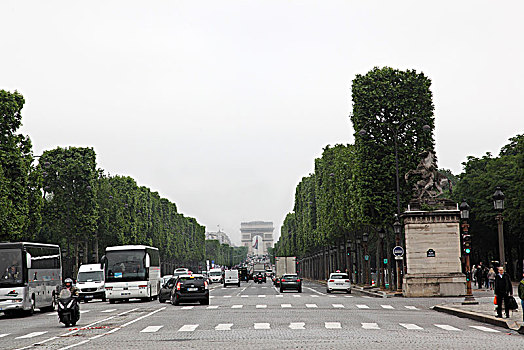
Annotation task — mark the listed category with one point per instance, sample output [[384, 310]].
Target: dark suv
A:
[[290, 281], [190, 288]]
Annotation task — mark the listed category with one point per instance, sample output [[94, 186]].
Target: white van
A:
[[231, 277], [90, 282], [215, 276]]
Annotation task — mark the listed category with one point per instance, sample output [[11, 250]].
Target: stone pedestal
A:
[[433, 253]]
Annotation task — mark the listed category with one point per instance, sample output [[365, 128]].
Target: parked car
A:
[[231, 277], [338, 281], [290, 281], [165, 289], [190, 288]]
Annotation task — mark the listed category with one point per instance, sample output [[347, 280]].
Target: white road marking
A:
[[485, 329], [332, 325], [211, 296], [77, 344], [285, 305], [244, 296], [188, 328], [212, 307], [186, 307], [4, 335], [296, 296], [151, 329], [297, 325], [370, 326], [108, 310], [361, 306], [264, 287], [366, 296], [348, 296], [261, 306], [227, 296], [311, 305], [410, 326], [261, 296], [314, 296], [52, 314], [411, 307], [332, 296], [262, 326], [316, 291], [279, 296], [447, 327], [338, 306], [126, 312], [224, 327], [84, 311], [387, 307], [237, 306], [140, 318], [31, 335]]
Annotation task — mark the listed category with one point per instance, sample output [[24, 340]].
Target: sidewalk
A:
[[485, 311]]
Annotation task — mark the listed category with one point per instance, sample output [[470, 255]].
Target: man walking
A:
[[480, 273], [503, 289]]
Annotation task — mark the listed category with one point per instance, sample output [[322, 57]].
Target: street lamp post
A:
[[382, 234], [397, 227], [466, 239], [365, 237], [359, 261], [498, 204], [395, 129]]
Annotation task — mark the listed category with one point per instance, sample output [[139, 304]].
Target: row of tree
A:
[[353, 187], [63, 198], [223, 254]]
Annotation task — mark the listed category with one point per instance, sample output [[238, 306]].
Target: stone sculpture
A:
[[431, 180]]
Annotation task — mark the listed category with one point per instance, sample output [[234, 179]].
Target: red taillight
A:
[[298, 280], [205, 284], [178, 286], [282, 280], [331, 280], [346, 281], [109, 288], [143, 286]]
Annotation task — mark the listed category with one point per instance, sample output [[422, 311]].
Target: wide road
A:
[[258, 316]]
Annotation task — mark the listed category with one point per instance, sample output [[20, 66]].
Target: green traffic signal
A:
[[467, 250]]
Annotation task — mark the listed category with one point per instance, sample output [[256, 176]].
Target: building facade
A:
[[220, 236], [257, 236]]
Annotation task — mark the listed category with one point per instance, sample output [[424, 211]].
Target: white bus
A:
[[29, 276], [132, 271]]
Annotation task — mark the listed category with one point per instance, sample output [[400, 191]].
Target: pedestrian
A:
[[491, 278], [485, 277], [474, 273], [521, 295], [503, 289], [480, 272]]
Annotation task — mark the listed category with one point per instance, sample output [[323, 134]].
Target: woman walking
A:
[[491, 278]]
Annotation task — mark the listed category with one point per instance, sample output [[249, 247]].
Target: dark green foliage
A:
[[224, 254]]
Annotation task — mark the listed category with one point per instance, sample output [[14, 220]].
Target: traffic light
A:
[[348, 251], [466, 243], [468, 276]]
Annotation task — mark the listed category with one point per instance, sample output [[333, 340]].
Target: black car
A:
[[190, 288], [165, 290], [290, 281], [259, 278]]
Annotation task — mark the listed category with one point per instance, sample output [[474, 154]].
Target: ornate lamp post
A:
[[397, 227], [382, 234], [359, 261], [498, 204], [466, 239], [365, 237]]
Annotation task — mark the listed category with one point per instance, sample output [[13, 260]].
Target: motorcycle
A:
[[259, 279], [68, 310]]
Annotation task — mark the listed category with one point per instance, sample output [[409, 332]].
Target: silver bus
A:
[[131, 271], [29, 276]]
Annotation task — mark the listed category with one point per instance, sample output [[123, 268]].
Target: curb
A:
[[480, 317], [376, 294]]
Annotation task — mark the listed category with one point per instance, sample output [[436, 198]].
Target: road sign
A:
[[366, 257], [398, 251]]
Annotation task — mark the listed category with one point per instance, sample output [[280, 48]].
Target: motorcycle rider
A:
[[68, 284]]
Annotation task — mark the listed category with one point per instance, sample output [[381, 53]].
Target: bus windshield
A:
[[125, 265], [10, 267]]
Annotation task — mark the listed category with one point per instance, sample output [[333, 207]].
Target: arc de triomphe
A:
[[257, 236]]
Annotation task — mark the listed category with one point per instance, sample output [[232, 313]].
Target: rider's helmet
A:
[[68, 282]]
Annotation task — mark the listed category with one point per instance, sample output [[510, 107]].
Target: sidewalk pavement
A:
[[485, 311]]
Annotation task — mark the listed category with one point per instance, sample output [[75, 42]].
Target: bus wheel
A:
[[111, 301]]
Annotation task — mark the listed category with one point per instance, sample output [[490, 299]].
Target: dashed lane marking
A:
[[186, 307], [279, 296], [31, 335], [410, 326], [361, 306], [237, 306], [285, 305], [447, 327], [188, 328], [485, 329], [315, 296], [297, 296], [151, 329], [212, 307], [411, 307], [84, 311], [390, 307], [338, 306], [261, 326], [108, 310], [227, 296], [224, 327], [261, 306], [332, 325], [297, 325], [4, 335], [348, 296], [244, 296], [261, 296], [370, 326], [311, 306]]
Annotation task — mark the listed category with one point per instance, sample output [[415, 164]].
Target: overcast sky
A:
[[222, 106]]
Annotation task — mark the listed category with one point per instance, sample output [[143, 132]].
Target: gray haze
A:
[[222, 106]]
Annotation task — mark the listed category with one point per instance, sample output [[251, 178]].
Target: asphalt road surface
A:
[[258, 316]]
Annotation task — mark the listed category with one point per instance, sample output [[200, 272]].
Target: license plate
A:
[[88, 296], [339, 284], [125, 293], [192, 289]]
